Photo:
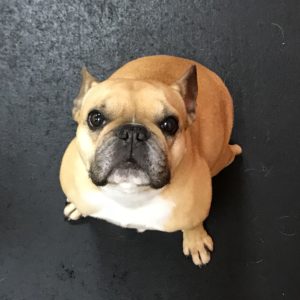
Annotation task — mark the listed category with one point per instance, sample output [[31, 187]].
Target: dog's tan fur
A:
[[141, 90]]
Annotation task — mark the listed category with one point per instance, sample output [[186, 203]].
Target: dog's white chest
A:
[[133, 209]]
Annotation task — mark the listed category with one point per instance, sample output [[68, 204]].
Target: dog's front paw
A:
[[198, 244], [71, 212]]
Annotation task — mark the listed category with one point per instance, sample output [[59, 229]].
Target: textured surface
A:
[[254, 46]]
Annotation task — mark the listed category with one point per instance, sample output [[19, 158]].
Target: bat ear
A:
[[87, 82], [187, 86]]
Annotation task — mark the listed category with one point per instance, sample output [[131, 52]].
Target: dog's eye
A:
[[169, 125], [95, 119]]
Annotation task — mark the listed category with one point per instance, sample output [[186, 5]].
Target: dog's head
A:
[[133, 131]]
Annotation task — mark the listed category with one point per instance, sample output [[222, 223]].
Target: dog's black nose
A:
[[133, 132]]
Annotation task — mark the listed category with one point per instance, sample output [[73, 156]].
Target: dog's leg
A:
[[227, 157], [236, 149], [233, 151], [198, 244], [71, 212]]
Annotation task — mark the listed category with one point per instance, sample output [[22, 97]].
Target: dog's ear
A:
[[87, 82], [187, 86]]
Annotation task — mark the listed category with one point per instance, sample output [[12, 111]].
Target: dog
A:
[[148, 141]]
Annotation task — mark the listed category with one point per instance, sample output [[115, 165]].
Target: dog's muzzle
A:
[[131, 153]]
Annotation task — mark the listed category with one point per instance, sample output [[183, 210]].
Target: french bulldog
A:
[[148, 141]]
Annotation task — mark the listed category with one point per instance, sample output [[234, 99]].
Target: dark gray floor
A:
[[253, 45]]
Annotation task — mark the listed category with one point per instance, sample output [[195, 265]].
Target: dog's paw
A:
[[236, 149], [198, 244], [71, 212]]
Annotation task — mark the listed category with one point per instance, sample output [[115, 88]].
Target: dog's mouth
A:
[[128, 172], [143, 164]]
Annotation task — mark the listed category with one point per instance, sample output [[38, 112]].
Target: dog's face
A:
[[133, 131]]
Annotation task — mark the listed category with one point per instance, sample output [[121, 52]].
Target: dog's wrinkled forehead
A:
[[132, 100], [142, 99]]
